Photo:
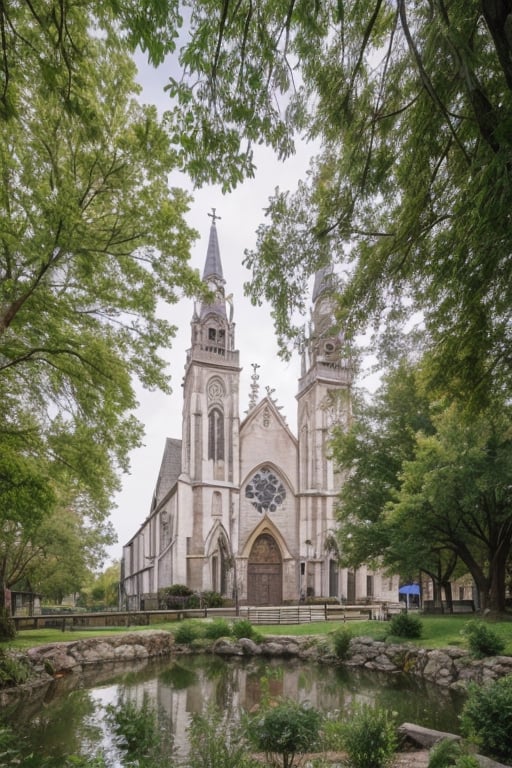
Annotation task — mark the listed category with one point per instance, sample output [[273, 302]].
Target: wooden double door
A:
[[265, 572]]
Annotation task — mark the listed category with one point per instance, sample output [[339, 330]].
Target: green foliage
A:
[[210, 599], [139, 734], [217, 628], [213, 743], [369, 737], [188, 631], [13, 670], [444, 753], [92, 240], [482, 640], [406, 625], [244, 628], [341, 641], [486, 718], [175, 596], [287, 730]]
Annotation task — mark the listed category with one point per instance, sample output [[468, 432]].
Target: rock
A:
[[423, 737]]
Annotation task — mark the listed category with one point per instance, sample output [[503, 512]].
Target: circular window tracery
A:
[[265, 491]]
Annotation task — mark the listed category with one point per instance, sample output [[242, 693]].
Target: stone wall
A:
[[450, 667]]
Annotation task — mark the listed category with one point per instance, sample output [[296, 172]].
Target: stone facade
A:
[[242, 506]]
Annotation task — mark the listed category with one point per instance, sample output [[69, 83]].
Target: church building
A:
[[242, 506]]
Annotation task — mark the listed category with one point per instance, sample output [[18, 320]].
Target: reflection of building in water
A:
[[242, 506]]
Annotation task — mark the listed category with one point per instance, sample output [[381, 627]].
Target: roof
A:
[[323, 281], [170, 469], [213, 264]]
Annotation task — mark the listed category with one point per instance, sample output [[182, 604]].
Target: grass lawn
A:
[[438, 632]]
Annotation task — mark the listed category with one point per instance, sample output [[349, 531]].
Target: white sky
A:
[[241, 212]]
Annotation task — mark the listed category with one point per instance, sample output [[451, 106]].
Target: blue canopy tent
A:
[[409, 589]]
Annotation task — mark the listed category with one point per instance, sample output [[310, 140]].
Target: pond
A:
[[73, 721]]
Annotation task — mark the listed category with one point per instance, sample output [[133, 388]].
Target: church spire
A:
[[213, 275], [213, 264]]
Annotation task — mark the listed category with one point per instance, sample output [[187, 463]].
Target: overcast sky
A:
[[240, 214]]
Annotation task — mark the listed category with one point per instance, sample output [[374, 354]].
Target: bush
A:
[[287, 729], [405, 625], [13, 671], [212, 599], [138, 734], [370, 738], [213, 745], [176, 596], [482, 640], [445, 753], [217, 628], [341, 641], [244, 628], [486, 718], [187, 632]]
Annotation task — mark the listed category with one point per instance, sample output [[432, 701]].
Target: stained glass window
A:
[[265, 491]]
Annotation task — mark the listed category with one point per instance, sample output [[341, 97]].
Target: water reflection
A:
[[74, 722]]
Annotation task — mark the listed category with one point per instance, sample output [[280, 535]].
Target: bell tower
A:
[[323, 401], [211, 423]]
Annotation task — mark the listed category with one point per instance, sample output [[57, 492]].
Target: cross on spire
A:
[[214, 216]]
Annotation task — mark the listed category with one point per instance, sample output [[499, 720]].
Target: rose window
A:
[[265, 491]]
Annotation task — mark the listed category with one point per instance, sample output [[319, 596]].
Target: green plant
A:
[[444, 753], [217, 628], [341, 641], [288, 729], [487, 715], [187, 632], [13, 671], [467, 761], [175, 596], [370, 737], [213, 745], [212, 599], [482, 640], [405, 625], [244, 628], [138, 734]]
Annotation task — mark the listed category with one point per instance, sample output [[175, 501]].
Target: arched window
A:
[[216, 434]]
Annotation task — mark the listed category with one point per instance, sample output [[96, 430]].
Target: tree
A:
[[428, 487], [456, 491], [410, 191], [91, 239], [54, 557]]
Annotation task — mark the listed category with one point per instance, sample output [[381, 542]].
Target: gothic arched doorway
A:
[[265, 572]]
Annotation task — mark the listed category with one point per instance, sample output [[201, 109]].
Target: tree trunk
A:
[[447, 586]]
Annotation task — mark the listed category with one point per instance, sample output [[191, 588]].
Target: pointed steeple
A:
[[213, 264], [323, 281], [213, 275]]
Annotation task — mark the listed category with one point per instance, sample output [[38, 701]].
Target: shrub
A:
[[486, 718], [217, 628], [287, 729], [244, 628], [369, 738], [212, 599], [138, 734], [341, 641], [445, 753], [405, 625], [482, 640], [13, 671], [187, 632], [176, 596], [213, 745]]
